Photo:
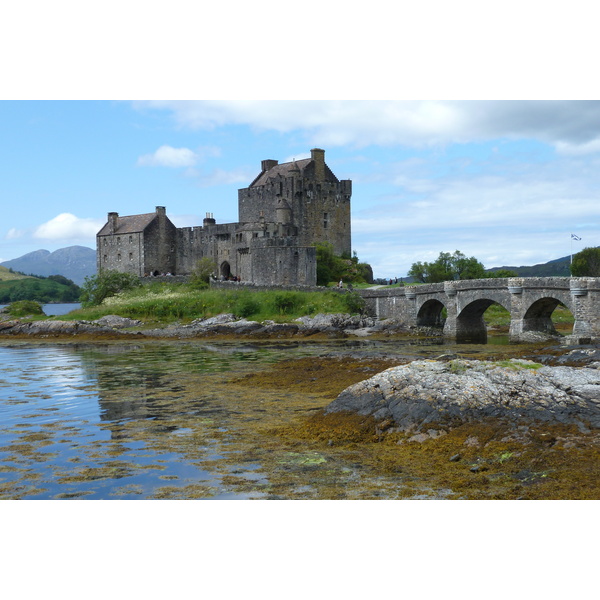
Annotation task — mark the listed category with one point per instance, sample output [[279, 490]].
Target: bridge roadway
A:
[[529, 300]]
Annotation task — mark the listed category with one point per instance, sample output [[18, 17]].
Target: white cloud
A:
[[167, 156], [67, 226], [220, 176], [13, 234], [571, 126]]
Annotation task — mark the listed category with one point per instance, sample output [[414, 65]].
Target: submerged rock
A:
[[425, 392]]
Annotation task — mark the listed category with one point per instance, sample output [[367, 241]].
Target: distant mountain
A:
[[560, 267], [74, 262]]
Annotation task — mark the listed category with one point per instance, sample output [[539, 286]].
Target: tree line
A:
[[54, 288], [450, 267]]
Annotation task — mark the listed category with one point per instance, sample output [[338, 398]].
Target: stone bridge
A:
[[529, 300]]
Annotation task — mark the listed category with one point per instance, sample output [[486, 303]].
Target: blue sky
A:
[[504, 181]]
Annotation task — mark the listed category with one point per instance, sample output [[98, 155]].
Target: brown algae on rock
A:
[[260, 431]]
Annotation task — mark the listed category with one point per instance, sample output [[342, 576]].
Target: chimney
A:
[[267, 165], [209, 219], [318, 156], [161, 210], [113, 222]]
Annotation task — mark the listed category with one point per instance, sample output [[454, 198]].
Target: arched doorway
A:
[[225, 271]]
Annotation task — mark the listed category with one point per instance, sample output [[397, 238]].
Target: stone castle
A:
[[287, 209]]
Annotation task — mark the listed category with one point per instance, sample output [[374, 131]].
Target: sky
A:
[[505, 181]]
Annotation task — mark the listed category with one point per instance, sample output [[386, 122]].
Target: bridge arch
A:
[[430, 314], [469, 324]]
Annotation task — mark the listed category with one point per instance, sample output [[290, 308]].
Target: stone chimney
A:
[[318, 156], [113, 222], [267, 165], [161, 210], [209, 219]]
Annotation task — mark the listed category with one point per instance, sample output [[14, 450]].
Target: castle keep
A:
[[287, 209]]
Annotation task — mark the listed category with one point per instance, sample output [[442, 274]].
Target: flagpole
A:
[[577, 238]]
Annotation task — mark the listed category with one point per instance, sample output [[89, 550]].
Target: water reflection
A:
[[161, 420]]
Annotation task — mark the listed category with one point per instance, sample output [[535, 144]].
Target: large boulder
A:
[[424, 392]]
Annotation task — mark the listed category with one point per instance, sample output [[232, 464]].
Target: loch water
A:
[[168, 420]]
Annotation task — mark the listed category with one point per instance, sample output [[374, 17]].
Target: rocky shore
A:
[[425, 395], [331, 325]]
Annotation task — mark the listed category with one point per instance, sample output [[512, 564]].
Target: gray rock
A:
[[53, 328], [425, 392], [324, 322], [117, 322], [218, 320]]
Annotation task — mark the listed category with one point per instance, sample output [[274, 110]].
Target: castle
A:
[[287, 209]]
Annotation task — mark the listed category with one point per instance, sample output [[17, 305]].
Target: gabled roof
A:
[[287, 169], [132, 224]]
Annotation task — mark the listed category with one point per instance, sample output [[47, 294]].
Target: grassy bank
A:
[[167, 303], [497, 317]]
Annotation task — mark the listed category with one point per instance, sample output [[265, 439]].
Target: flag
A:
[[575, 237]]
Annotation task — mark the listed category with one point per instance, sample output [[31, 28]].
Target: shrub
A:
[[22, 308], [246, 305], [105, 284], [285, 302], [354, 303], [200, 276]]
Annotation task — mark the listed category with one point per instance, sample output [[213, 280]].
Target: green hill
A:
[[560, 267], [55, 288], [8, 275]]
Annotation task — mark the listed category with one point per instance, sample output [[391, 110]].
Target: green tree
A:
[[448, 267], [503, 273], [586, 263], [203, 269], [105, 284], [333, 268]]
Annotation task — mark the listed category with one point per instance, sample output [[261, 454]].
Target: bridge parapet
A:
[[530, 301]]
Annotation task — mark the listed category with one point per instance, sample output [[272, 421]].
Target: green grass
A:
[[498, 317], [6, 275], [167, 302]]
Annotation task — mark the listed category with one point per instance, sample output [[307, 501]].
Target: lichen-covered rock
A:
[[117, 322], [53, 328], [323, 322], [425, 392]]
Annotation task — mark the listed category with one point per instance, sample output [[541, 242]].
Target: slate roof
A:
[[285, 169], [132, 224]]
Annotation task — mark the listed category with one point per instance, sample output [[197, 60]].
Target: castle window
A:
[[105, 241], [325, 220], [131, 239], [118, 240], [130, 256], [118, 257], [105, 258]]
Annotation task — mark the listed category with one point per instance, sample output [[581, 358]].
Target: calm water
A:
[[161, 420]]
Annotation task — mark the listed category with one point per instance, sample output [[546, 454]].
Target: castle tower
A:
[[318, 202]]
